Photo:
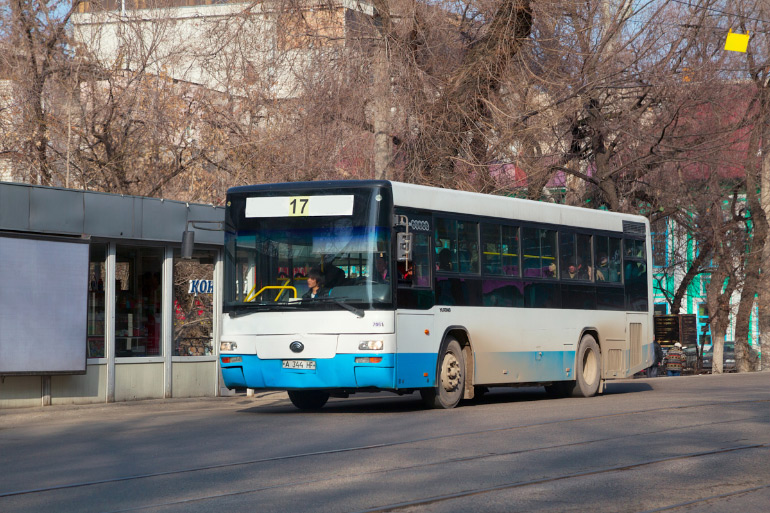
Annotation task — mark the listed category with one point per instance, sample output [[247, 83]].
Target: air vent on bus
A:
[[633, 228]]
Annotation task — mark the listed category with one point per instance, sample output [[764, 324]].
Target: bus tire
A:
[[559, 389], [588, 367], [308, 399], [450, 380]]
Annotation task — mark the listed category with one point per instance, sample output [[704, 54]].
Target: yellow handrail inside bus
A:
[[504, 254], [252, 297]]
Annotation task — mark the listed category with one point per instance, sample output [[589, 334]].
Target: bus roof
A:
[[471, 203]]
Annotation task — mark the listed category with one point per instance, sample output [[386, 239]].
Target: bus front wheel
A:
[[308, 399], [588, 368], [451, 379]]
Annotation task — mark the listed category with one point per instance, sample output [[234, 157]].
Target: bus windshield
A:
[[309, 262]]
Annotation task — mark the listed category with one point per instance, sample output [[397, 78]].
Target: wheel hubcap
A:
[[451, 373]]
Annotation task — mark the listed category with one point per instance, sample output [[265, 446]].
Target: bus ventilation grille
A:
[[614, 360], [633, 228], [635, 331]]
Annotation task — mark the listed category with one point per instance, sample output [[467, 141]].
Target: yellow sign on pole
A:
[[737, 42]]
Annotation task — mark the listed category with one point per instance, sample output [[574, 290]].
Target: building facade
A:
[[151, 321], [673, 252]]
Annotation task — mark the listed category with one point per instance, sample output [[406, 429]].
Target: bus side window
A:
[[510, 249], [418, 273], [446, 245], [468, 246], [567, 254], [530, 248], [548, 253], [615, 269], [491, 249]]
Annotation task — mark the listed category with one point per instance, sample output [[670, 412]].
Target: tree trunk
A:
[[692, 272], [764, 277], [745, 357], [718, 292], [382, 140]]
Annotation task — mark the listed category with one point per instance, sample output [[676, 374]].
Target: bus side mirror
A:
[[188, 236], [188, 243]]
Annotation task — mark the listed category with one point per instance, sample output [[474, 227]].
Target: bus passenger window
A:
[[607, 259], [490, 249], [417, 273], [614, 265], [468, 246], [548, 252], [569, 266], [583, 249], [575, 256], [635, 273], [446, 245], [530, 247], [510, 250]]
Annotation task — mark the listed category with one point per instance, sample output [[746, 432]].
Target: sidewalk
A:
[[13, 417]]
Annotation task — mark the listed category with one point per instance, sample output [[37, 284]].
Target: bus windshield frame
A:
[[270, 254]]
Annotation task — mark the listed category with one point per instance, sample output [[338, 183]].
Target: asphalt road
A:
[[697, 443]]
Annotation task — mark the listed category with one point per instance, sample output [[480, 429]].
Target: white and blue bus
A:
[[424, 289]]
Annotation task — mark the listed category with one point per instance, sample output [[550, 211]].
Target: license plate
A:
[[298, 364]]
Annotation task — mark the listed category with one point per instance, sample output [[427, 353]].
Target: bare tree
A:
[[35, 56]]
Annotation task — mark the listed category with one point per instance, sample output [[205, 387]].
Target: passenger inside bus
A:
[[333, 275], [315, 281], [445, 260], [602, 269], [382, 275]]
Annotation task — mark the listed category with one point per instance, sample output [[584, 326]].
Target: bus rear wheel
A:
[[588, 367], [308, 399], [451, 379]]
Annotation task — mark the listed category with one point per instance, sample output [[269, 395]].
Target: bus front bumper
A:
[[343, 371]]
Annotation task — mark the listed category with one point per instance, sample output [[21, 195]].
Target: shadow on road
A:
[[386, 402]]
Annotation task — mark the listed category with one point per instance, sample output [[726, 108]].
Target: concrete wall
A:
[[81, 389], [135, 381], [194, 379], [21, 391]]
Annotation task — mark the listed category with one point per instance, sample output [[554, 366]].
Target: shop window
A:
[[138, 304], [194, 304], [96, 305]]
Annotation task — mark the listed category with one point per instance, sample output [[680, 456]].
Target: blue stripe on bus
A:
[[396, 371], [339, 372]]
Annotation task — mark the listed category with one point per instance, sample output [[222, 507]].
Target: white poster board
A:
[[43, 305]]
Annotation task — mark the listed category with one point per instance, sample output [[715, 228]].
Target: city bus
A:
[[337, 287]]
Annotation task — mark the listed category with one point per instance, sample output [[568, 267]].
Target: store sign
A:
[[201, 287]]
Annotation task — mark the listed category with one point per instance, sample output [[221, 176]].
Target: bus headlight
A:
[[371, 345], [228, 346]]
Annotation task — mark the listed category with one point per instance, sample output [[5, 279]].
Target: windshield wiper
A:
[[246, 308], [350, 308]]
